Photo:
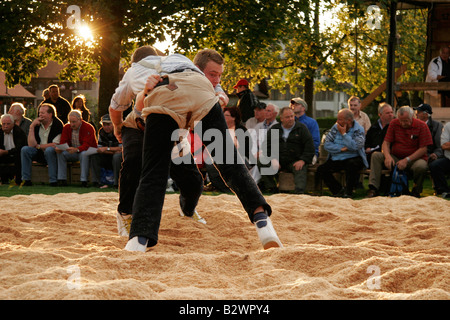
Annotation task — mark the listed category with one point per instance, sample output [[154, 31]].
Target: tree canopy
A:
[[285, 40]]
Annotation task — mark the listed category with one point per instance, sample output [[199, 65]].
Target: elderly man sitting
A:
[[76, 139], [345, 146], [405, 145]]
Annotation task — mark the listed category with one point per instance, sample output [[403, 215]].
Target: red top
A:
[[87, 136], [405, 142]]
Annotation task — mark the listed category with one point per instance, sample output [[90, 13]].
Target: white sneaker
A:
[[266, 232], [195, 217], [123, 224], [135, 245]]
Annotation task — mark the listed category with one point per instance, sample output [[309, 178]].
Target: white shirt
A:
[[9, 141], [135, 78]]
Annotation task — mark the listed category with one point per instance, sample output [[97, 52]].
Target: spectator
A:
[[271, 113], [296, 151], [440, 168], [424, 112], [44, 135], [17, 110], [405, 145], [247, 99], [354, 104], [77, 137], [375, 135], [62, 105], [300, 106], [45, 94], [258, 117], [439, 71], [79, 103], [345, 146], [109, 153], [12, 139]]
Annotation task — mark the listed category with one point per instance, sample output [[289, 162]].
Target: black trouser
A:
[[351, 166], [149, 199]]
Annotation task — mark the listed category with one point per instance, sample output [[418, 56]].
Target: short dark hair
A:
[[142, 52], [206, 55]]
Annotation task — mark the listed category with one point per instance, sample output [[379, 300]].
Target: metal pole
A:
[[391, 54]]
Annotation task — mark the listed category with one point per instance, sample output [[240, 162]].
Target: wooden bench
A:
[[39, 173]]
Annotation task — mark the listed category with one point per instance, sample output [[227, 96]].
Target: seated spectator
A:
[[271, 113], [44, 135], [375, 135], [296, 151], [12, 139], [404, 145], [17, 110], [434, 151], [109, 153], [354, 104], [345, 146], [440, 167], [259, 116], [77, 136], [300, 106]]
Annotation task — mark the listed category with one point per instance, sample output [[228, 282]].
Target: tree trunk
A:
[[110, 55], [309, 95]]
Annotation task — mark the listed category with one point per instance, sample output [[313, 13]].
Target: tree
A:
[[35, 31]]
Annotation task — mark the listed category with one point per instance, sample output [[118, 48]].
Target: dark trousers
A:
[[156, 163], [439, 170], [7, 172], [132, 140], [351, 166]]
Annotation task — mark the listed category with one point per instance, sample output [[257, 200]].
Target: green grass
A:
[[9, 191]]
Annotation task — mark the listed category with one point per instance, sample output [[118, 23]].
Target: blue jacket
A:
[[354, 140], [313, 128]]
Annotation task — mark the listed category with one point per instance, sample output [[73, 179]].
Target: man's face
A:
[[14, 112], [421, 115], [54, 93], [241, 88], [44, 115], [108, 127], [298, 109], [354, 106], [405, 120], [270, 113], [7, 125], [213, 71], [75, 123], [260, 114], [287, 118], [387, 115], [343, 121]]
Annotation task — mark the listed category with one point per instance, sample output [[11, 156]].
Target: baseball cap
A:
[[299, 101], [241, 82], [261, 105], [105, 119], [424, 108]]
